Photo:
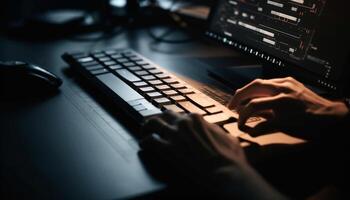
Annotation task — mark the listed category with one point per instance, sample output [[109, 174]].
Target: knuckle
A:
[[258, 81], [167, 112], [287, 86], [291, 80], [195, 116], [273, 87], [192, 115], [152, 120], [285, 97], [183, 121]]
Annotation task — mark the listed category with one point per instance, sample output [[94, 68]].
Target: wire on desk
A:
[[180, 23], [106, 34], [110, 32], [167, 32]]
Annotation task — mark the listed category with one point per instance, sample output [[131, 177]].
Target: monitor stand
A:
[[239, 73]]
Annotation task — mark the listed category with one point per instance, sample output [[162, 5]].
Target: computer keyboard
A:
[[145, 89]]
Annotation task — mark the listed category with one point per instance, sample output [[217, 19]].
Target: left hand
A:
[[191, 140], [207, 155]]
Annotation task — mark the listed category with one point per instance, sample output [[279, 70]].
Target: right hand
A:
[[287, 102]]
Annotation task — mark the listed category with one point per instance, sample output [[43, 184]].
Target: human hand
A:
[[206, 154], [193, 142], [286, 101]]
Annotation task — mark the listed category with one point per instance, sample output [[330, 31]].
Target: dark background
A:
[[39, 152], [12, 9]]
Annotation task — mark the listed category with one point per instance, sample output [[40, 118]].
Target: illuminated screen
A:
[[311, 35]]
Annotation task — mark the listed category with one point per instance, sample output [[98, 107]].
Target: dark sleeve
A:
[[346, 121], [243, 182], [335, 144], [342, 127], [335, 131]]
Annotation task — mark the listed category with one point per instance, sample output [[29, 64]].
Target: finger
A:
[[267, 114], [211, 137], [255, 89], [159, 126], [262, 113], [171, 156], [288, 84], [201, 131], [153, 142], [287, 79], [282, 80], [171, 117], [279, 84], [191, 135], [260, 104], [159, 148], [221, 137]]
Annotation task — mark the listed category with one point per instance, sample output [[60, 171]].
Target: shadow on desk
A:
[[299, 174]]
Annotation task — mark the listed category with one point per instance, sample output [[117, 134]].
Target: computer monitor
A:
[[308, 39]]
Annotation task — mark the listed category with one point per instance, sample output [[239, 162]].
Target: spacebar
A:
[[118, 86]]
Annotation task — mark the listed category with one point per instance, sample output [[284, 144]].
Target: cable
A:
[[169, 31], [103, 35], [161, 38]]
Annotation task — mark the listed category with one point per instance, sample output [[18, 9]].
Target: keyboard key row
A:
[[190, 107], [162, 100], [162, 87], [170, 92], [99, 71], [154, 94], [219, 118], [143, 73], [88, 64], [155, 82], [174, 108], [104, 59], [147, 89], [201, 100], [166, 90], [85, 59], [127, 75], [148, 77], [127, 60]]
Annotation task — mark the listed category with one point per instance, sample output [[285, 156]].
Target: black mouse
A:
[[24, 79]]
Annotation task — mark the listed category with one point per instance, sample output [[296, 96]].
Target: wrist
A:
[[347, 102], [340, 109]]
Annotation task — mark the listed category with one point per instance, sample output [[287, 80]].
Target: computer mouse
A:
[[24, 79]]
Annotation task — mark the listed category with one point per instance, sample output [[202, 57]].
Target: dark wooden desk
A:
[[33, 133]]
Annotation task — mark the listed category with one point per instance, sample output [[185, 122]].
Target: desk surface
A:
[[48, 142], [43, 141]]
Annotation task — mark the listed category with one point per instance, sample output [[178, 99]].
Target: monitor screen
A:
[[311, 37]]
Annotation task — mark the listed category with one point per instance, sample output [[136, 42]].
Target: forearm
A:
[[243, 182]]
